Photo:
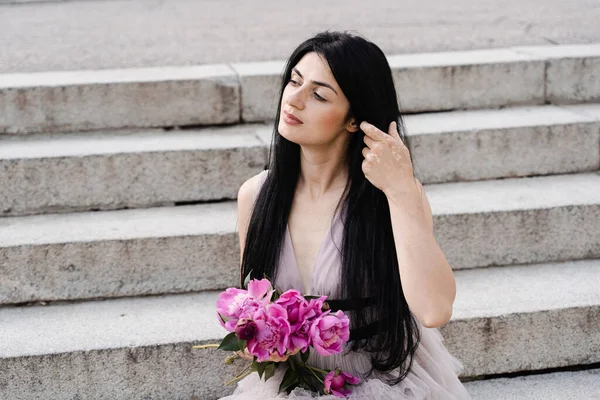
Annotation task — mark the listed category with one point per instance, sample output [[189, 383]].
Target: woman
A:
[[340, 213]]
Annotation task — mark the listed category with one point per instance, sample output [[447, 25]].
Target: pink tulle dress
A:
[[433, 375]]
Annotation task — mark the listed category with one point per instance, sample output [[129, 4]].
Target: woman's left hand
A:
[[387, 162]]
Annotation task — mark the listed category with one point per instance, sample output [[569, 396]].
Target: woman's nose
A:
[[295, 98]]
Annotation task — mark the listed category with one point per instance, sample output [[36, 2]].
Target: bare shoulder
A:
[[245, 203], [248, 191]]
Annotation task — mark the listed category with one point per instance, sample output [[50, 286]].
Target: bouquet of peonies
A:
[[273, 326]]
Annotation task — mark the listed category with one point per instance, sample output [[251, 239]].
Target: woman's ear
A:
[[352, 125]]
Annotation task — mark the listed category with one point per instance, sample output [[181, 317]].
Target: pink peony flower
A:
[[336, 380], [329, 332], [273, 333], [292, 300], [234, 304], [307, 314], [246, 329]]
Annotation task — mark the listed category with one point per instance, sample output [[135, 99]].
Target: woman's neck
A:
[[321, 173]]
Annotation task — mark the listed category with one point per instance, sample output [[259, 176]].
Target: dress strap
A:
[[362, 332], [350, 304]]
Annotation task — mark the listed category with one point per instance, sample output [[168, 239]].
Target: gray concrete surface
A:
[[163, 372], [504, 195], [466, 80], [192, 248], [566, 80], [523, 220], [575, 385], [119, 253], [138, 348], [223, 94], [125, 348], [511, 142], [528, 317], [88, 100], [112, 170], [109, 324], [135, 33], [497, 291]]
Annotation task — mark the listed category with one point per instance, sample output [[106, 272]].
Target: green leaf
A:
[[241, 345], [289, 381], [269, 371], [292, 364], [308, 380], [275, 296], [304, 356], [229, 343], [314, 384], [260, 368], [247, 279]]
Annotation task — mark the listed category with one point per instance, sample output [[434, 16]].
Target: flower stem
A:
[[313, 372], [207, 346], [240, 375], [237, 378], [318, 370]]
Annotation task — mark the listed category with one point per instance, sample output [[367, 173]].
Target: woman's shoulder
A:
[[249, 189]]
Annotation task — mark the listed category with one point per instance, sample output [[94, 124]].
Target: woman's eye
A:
[[319, 97], [293, 82]]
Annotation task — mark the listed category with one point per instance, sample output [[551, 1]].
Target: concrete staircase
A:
[[118, 228]]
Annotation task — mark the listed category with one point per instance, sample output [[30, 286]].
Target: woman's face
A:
[[313, 96]]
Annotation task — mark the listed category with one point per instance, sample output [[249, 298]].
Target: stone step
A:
[[505, 320], [576, 385], [195, 247], [112, 170], [121, 98], [526, 317], [518, 141], [223, 94]]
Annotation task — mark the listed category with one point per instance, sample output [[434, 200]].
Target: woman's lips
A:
[[290, 119]]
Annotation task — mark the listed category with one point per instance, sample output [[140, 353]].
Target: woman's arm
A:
[[427, 278]]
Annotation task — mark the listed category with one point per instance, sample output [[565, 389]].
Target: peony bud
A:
[[230, 359], [246, 329], [336, 381]]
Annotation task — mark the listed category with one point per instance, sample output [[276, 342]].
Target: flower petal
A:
[[351, 379], [258, 289]]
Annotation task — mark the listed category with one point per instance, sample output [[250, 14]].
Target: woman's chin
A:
[[288, 133]]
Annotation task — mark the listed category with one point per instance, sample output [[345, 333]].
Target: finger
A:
[[393, 130], [365, 167], [372, 131], [368, 141], [365, 152]]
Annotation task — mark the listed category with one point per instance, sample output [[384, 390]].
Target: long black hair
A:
[[368, 254]]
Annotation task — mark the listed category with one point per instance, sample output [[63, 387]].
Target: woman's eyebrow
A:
[[316, 82]]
